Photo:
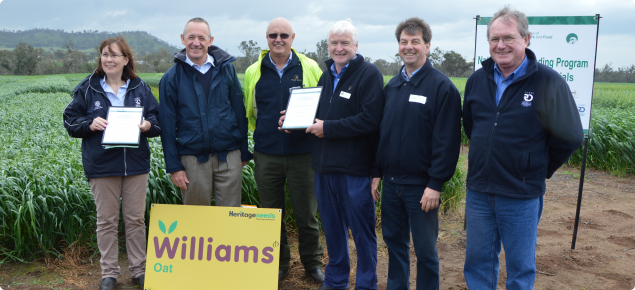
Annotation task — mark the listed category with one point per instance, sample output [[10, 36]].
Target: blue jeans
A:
[[401, 214], [492, 220], [345, 202]]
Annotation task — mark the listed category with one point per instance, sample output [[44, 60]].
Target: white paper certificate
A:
[[302, 107], [122, 126]]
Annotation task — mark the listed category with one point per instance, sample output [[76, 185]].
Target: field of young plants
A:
[[46, 206]]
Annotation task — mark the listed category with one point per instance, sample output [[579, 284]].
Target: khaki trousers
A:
[[107, 191], [223, 179]]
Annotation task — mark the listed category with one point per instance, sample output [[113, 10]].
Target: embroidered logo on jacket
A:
[[137, 102], [296, 79], [529, 96], [97, 105]]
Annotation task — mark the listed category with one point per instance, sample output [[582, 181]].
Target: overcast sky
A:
[[233, 21]]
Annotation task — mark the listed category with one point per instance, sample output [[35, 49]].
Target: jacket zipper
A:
[[281, 135], [125, 164]]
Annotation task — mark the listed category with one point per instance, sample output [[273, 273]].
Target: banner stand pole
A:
[[577, 212], [478, 17], [586, 144]]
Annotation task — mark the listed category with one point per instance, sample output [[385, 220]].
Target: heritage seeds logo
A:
[[572, 38]]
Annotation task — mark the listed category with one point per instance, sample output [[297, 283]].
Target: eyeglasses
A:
[[282, 35], [506, 40], [113, 56]]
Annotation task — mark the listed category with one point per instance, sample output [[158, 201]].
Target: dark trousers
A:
[[345, 202], [401, 215], [271, 172]]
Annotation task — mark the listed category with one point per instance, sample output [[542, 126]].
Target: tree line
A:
[[27, 60]]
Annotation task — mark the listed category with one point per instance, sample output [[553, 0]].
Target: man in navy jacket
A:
[[348, 116], [523, 124], [205, 134], [419, 144]]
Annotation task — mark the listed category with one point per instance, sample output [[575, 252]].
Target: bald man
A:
[[282, 157]]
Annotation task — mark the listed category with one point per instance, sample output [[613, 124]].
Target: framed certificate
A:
[[302, 108], [122, 126]]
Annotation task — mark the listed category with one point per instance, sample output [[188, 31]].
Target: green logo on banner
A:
[[572, 38], [170, 230]]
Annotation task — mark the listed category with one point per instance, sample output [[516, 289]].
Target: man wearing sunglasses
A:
[[523, 124], [205, 131], [281, 157]]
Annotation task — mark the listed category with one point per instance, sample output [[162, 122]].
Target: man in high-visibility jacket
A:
[[279, 156]]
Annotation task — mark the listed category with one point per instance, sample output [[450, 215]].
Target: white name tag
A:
[[345, 95], [418, 99]]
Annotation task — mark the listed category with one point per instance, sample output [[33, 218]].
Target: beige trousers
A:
[[223, 179], [107, 191]]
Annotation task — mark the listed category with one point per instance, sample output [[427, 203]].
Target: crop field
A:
[[47, 209]]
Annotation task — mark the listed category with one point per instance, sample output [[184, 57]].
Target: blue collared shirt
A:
[[115, 99], [339, 76], [209, 63], [404, 74], [280, 71], [502, 83]]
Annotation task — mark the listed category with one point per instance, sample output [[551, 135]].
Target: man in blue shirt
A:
[[205, 140], [419, 144], [523, 124], [348, 116]]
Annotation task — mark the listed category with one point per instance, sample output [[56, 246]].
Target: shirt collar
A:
[[106, 87], [288, 61], [404, 73], [520, 70], [210, 60], [334, 71]]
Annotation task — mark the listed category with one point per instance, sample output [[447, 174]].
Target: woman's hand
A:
[[99, 124]]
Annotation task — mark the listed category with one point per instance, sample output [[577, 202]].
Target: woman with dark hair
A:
[[115, 172]]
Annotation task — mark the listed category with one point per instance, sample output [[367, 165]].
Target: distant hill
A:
[[141, 42]]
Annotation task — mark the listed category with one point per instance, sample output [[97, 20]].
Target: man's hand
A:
[[317, 128], [374, 188], [245, 163], [145, 126], [99, 124], [179, 179], [282, 120], [430, 199]]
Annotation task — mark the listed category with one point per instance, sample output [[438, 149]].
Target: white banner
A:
[[567, 44]]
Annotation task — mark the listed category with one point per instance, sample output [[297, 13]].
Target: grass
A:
[[46, 207]]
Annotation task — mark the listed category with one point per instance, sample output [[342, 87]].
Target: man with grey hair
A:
[[201, 108], [344, 131], [419, 145], [281, 157], [523, 124]]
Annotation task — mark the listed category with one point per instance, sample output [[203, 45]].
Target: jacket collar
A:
[[532, 65], [220, 56], [416, 79], [265, 59], [93, 83], [352, 65]]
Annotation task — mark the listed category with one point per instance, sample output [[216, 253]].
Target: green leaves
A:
[[172, 227], [162, 227]]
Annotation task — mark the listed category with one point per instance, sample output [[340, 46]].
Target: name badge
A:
[[418, 99], [345, 95]]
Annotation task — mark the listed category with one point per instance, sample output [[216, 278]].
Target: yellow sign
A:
[[212, 247]]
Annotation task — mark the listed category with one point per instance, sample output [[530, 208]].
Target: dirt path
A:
[[604, 257]]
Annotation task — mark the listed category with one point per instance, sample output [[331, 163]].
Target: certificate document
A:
[[302, 107], [122, 126]]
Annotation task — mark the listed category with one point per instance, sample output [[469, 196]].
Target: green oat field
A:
[[47, 209]]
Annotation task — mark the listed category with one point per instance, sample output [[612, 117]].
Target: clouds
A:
[[231, 22]]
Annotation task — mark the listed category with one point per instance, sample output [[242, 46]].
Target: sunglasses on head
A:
[[282, 35]]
